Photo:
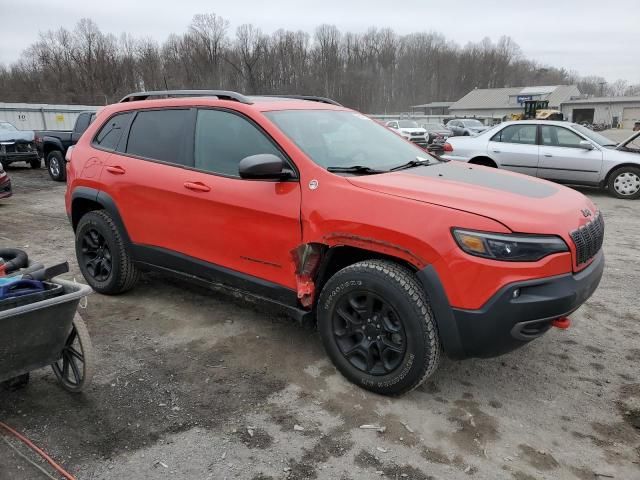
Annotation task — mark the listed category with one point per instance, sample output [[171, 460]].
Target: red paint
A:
[[233, 222], [562, 323]]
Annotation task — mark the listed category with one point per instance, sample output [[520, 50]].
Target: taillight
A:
[[448, 147], [67, 156]]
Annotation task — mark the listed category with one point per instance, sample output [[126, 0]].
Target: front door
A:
[[563, 158], [515, 148], [247, 226]]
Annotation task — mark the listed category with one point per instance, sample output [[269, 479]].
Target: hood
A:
[[478, 129], [16, 135], [523, 204]]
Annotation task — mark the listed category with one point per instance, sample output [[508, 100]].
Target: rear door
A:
[[515, 148], [562, 158]]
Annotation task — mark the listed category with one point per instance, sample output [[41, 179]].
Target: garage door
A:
[[630, 116]]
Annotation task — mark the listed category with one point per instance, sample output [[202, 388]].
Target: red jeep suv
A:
[[398, 256]]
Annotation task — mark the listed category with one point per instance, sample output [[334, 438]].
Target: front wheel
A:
[[625, 183], [377, 327], [55, 166]]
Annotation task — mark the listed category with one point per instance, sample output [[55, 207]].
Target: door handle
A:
[[197, 186], [548, 155], [496, 151], [115, 169]]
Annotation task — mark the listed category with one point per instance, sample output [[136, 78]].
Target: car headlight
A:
[[509, 247]]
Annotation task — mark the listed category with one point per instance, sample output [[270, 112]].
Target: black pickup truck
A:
[[53, 145]]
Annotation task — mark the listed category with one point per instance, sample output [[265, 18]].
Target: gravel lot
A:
[[195, 384]]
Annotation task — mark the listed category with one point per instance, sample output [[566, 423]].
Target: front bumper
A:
[[507, 321], [5, 187], [10, 157]]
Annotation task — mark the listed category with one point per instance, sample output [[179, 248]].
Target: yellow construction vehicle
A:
[[538, 110]]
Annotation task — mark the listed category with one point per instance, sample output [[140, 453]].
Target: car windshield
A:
[[7, 126], [472, 123], [346, 139], [407, 124], [596, 137]]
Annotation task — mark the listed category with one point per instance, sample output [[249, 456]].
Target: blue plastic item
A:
[[17, 287]]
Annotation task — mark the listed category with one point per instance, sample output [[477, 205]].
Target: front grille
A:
[[417, 134], [588, 239]]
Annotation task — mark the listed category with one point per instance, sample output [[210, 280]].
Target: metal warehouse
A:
[[42, 116], [500, 103], [614, 111]]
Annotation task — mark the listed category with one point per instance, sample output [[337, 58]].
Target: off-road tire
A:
[[59, 175], [612, 179], [35, 164], [124, 273], [399, 287]]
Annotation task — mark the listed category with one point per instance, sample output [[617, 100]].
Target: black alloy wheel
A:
[[96, 255], [369, 333]]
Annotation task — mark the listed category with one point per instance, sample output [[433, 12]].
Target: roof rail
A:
[[220, 94], [311, 98]]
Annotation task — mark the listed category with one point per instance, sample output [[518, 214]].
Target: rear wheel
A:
[[55, 166], [74, 370], [377, 327], [103, 256], [625, 183]]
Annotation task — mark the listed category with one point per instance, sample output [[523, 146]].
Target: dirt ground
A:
[[196, 384]]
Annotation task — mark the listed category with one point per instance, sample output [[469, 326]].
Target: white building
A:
[[500, 103], [42, 116], [614, 111]]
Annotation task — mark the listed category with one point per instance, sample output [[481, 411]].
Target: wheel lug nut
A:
[[378, 337], [368, 338]]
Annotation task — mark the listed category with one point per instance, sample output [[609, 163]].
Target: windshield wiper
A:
[[417, 162], [355, 169]]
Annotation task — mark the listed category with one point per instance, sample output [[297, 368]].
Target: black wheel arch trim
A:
[[106, 202]]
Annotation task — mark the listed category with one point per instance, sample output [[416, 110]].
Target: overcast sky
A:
[[592, 37]]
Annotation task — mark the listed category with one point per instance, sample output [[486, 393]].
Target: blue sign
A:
[[523, 98]]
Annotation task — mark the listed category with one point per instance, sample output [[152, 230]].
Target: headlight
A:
[[508, 247]]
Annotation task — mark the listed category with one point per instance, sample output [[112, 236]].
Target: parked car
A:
[[397, 256], [17, 146], [411, 131], [5, 183], [436, 132], [466, 127], [559, 151], [53, 144]]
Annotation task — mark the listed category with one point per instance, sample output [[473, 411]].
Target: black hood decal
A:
[[486, 177]]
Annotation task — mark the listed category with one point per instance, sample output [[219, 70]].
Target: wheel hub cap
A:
[[96, 255], [627, 183]]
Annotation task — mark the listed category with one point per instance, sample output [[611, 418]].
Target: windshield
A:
[[596, 137], [407, 124], [7, 126], [345, 139], [472, 123]]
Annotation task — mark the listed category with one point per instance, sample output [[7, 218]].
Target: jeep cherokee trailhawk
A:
[[399, 257]]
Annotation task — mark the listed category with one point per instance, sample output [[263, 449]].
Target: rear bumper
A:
[[508, 321], [5, 187]]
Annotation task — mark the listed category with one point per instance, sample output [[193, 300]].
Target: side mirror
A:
[[264, 166], [586, 145]]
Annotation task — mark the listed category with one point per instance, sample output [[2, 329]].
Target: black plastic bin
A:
[[33, 336]]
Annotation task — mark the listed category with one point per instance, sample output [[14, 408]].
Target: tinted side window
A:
[[559, 137], [525, 134], [223, 139], [82, 123], [160, 135], [111, 132]]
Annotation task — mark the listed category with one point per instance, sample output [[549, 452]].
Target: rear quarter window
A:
[[109, 136]]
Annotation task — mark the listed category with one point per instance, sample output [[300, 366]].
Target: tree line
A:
[[377, 71]]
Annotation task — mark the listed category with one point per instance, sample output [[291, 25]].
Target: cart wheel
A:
[[75, 368]]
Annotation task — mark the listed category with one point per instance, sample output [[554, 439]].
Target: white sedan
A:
[[559, 151]]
